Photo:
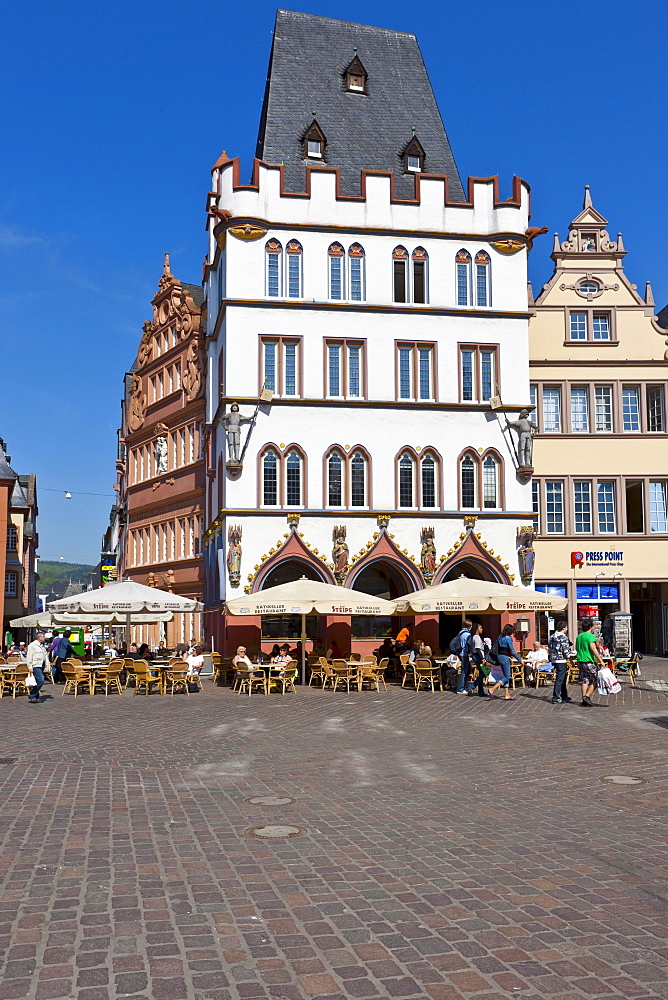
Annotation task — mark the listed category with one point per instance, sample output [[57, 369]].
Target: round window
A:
[[587, 287]]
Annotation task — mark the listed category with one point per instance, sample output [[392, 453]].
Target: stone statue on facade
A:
[[192, 377], [137, 404], [428, 555], [232, 422], [525, 428], [525, 553], [234, 554], [340, 553], [160, 453]]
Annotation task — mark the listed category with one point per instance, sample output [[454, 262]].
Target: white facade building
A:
[[382, 326]]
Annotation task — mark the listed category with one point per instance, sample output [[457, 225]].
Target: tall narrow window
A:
[[419, 257], [551, 410], [467, 362], [631, 408], [603, 401], [425, 373], [477, 373], [294, 255], [635, 506], [601, 326], [399, 265], [335, 480], [334, 369], [354, 370], [533, 394], [406, 481], [535, 505], [12, 538], [358, 480], [281, 372], [293, 479], [274, 253], [582, 506], [336, 258], [655, 409], [468, 482], [269, 479], [416, 371], [344, 375], [579, 409], [487, 373], [554, 508], [490, 484], [482, 282], [658, 506], [290, 386], [606, 508], [578, 326], [463, 264], [428, 468], [11, 587], [405, 372], [356, 271], [269, 351]]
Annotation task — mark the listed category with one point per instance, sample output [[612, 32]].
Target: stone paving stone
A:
[[453, 851]]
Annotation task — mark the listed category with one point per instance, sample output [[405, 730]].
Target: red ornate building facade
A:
[[161, 475]]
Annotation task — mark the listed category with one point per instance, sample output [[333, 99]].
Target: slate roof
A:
[[369, 131], [196, 291], [662, 318]]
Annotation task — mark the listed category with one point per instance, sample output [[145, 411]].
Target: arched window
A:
[[420, 258], [356, 277], [429, 480], [335, 464], [490, 482], [270, 462], [336, 276], [293, 479], [482, 286], [463, 263], [468, 473], [294, 253], [399, 274], [274, 254], [358, 476], [406, 480]]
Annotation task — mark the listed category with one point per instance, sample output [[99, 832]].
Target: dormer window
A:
[[356, 76], [413, 156], [314, 142]]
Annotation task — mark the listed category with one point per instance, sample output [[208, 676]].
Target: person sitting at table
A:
[[132, 653], [535, 658], [333, 651], [387, 649], [283, 657], [195, 661], [144, 653], [241, 658], [451, 668], [296, 653], [275, 652]]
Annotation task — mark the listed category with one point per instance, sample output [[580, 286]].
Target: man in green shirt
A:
[[589, 661]]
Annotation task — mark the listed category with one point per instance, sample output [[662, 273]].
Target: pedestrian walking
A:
[[559, 649], [37, 660], [63, 649], [476, 658], [589, 661], [461, 647], [504, 651]]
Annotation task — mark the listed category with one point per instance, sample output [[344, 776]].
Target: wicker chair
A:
[[408, 669], [176, 678], [344, 673], [286, 678], [15, 680], [110, 678], [319, 671], [426, 673], [250, 679], [144, 678], [627, 668], [74, 678]]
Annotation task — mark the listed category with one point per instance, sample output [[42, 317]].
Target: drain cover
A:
[[622, 779], [270, 800], [275, 832]]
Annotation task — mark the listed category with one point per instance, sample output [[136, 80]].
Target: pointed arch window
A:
[[274, 255], [314, 142], [356, 76], [294, 253], [294, 479], [356, 275], [335, 464], [463, 264], [336, 271], [429, 469], [420, 260], [270, 464], [400, 274], [406, 480], [482, 279], [490, 483], [358, 480], [468, 477]]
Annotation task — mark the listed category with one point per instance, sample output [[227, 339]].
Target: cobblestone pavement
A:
[[452, 848]]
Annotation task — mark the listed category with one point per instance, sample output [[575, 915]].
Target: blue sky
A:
[[114, 113]]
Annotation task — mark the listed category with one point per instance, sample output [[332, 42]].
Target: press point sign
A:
[[610, 557]]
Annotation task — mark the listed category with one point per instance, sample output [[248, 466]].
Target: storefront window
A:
[[288, 627], [371, 626]]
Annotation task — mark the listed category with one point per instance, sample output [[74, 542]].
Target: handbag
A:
[[30, 681]]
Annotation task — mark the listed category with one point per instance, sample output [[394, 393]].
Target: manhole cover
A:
[[622, 779], [270, 800], [275, 832], [8, 760]]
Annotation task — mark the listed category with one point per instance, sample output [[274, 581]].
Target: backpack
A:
[[461, 642], [493, 653]]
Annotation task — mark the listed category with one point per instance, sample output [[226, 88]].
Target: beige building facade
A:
[[599, 374]]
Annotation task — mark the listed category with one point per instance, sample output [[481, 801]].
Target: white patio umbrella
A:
[[128, 600], [466, 594], [47, 619], [308, 597]]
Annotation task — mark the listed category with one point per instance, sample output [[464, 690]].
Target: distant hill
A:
[[56, 575]]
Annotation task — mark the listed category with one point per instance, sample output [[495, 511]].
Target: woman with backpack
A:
[[504, 651], [477, 655]]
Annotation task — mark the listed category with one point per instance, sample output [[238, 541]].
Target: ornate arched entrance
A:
[[382, 579], [474, 569], [289, 570]]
